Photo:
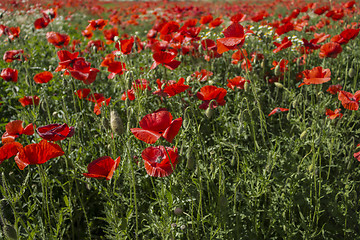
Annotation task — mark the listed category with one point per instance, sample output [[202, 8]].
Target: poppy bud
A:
[[129, 76], [279, 85], [303, 134], [190, 163], [178, 211], [209, 112], [10, 232], [277, 70], [294, 104], [262, 64], [352, 73], [188, 79], [116, 38], [288, 116], [298, 61], [246, 86], [116, 123]]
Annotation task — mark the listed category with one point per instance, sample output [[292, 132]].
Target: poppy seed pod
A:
[[116, 123], [279, 85], [246, 86], [352, 73]]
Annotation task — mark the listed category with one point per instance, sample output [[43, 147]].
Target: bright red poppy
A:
[[9, 150], [173, 88], [330, 49], [9, 75], [82, 93], [285, 43], [55, 132], [349, 101], [157, 124], [125, 45], [57, 39], [206, 19], [160, 161], [166, 59], [42, 22], [203, 75], [29, 100], [282, 65], [208, 93], [317, 75], [116, 68], [14, 129], [43, 77], [103, 167], [97, 24], [13, 55], [215, 23], [237, 82], [234, 38], [333, 114], [110, 35], [37, 153], [334, 89], [278, 110]]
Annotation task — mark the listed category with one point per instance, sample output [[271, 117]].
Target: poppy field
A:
[[179, 120]]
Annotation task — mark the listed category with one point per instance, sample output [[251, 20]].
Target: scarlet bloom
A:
[[157, 124], [206, 19], [37, 153], [82, 93], [41, 23], [125, 45], [285, 43], [110, 34], [116, 68], [9, 150], [14, 129], [282, 65], [317, 75], [55, 132], [43, 77], [12, 55], [160, 161], [208, 93], [277, 110], [234, 38], [97, 24], [166, 59], [29, 100], [216, 22], [349, 101], [57, 39], [330, 49], [103, 167], [237, 82], [334, 114], [334, 89], [203, 75], [175, 88], [9, 75]]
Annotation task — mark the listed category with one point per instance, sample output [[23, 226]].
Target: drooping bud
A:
[[246, 86], [116, 123], [279, 85], [352, 72], [303, 134], [277, 70], [209, 112]]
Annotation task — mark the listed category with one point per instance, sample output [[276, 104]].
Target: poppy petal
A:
[[172, 130], [8, 150], [147, 136]]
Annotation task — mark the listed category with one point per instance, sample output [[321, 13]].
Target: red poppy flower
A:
[[87, 33], [57, 39], [42, 22], [333, 114], [125, 45], [82, 93], [13, 32], [334, 89], [287, 27], [66, 59], [349, 101], [97, 24], [55, 132], [277, 110], [14, 129], [285, 43], [157, 124], [130, 94], [37, 153], [208, 93], [283, 65], [238, 56], [43, 77], [8, 150], [110, 34], [239, 17], [330, 49], [13, 55], [166, 59], [317, 75], [321, 10], [169, 27], [9, 75], [260, 16], [237, 82], [99, 104], [116, 68], [160, 161], [176, 87], [203, 75], [29, 100], [98, 44], [215, 23], [234, 38], [206, 19], [320, 37], [103, 167]]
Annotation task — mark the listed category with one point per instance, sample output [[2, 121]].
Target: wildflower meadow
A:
[[179, 120]]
